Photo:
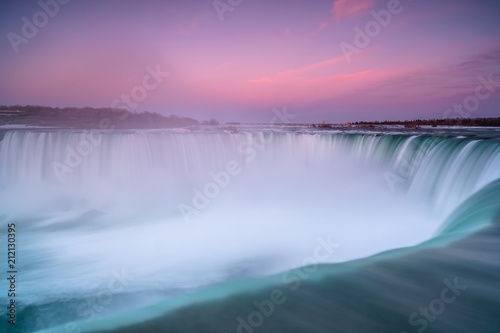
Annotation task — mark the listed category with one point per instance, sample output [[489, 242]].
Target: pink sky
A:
[[262, 55]]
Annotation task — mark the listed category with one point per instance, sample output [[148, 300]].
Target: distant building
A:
[[12, 113], [348, 123]]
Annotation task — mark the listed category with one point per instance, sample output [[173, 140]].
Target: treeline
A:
[[490, 122], [88, 117]]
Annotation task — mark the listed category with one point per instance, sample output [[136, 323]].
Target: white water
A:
[[118, 208]]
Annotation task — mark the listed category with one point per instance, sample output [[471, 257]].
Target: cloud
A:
[[490, 58], [349, 8], [288, 31], [323, 26], [346, 8], [454, 78], [432, 86], [300, 73]]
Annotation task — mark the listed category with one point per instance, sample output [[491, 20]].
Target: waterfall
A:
[[429, 166], [90, 204]]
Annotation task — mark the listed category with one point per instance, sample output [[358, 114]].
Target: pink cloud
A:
[[323, 26], [298, 74], [288, 31], [312, 67], [346, 8]]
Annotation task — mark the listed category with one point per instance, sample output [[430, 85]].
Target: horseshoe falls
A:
[[253, 229]]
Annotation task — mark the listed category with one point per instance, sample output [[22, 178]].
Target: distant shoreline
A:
[[90, 118], [108, 118]]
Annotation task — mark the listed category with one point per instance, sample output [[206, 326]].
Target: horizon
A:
[[333, 61], [234, 122]]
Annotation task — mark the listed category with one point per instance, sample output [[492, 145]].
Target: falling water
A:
[[176, 213]]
